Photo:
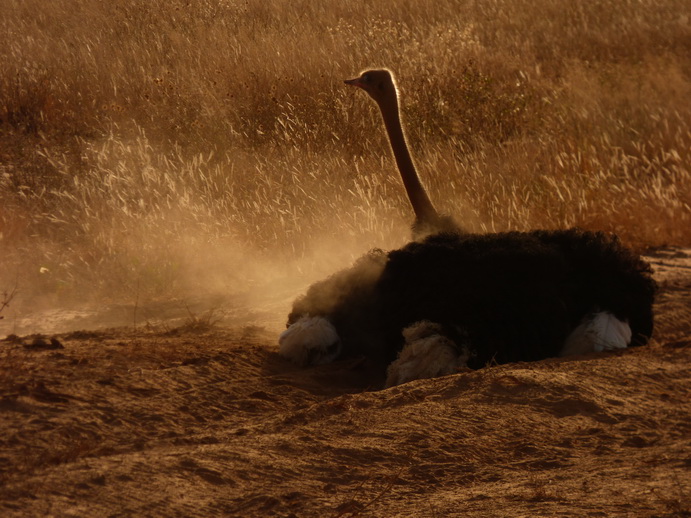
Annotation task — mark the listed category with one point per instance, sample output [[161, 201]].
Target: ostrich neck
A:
[[422, 206]]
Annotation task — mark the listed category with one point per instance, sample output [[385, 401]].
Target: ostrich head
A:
[[379, 84]]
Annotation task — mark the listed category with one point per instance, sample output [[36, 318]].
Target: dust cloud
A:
[[225, 282]]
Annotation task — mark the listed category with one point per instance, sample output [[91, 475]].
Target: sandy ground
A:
[[209, 421]]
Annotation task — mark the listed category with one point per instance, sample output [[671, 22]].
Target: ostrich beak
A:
[[353, 82]]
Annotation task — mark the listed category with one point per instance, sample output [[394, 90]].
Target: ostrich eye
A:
[[365, 78]]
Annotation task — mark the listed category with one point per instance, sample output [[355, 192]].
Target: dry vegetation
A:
[[137, 137]]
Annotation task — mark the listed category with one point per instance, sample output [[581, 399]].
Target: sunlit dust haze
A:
[[168, 160]]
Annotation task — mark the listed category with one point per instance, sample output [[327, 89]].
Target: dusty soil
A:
[[203, 421]]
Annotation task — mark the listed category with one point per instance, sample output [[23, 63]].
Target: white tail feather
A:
[[426, 354], [597, 332], [310, 341]]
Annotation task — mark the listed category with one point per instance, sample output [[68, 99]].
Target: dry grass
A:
[[160, 147]]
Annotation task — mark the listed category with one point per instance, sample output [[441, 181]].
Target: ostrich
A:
[[456, 300]]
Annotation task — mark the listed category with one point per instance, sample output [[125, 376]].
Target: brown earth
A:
[[203, 421]]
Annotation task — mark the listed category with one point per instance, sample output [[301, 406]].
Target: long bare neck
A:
[[424, 210]]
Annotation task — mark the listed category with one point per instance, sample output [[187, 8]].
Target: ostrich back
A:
[[508, 297]]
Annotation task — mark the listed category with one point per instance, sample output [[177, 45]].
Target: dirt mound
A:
[[205, 422]]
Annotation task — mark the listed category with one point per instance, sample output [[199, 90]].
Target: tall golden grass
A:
[[165, 145]]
